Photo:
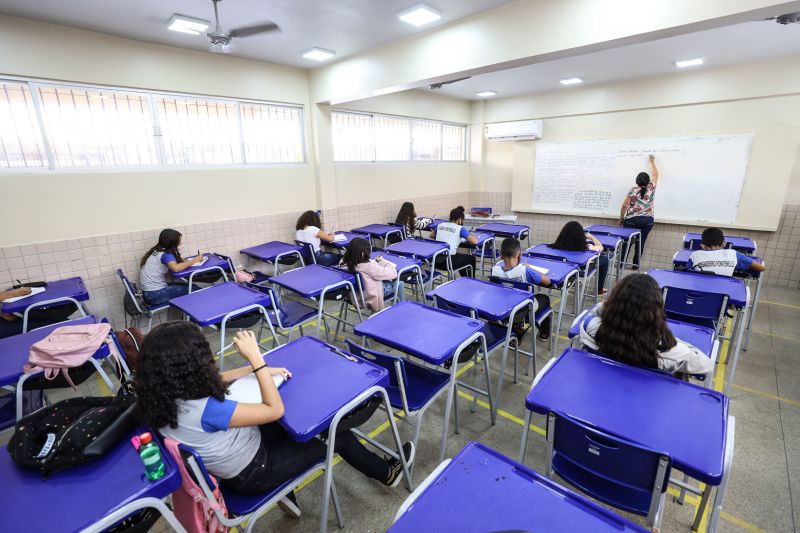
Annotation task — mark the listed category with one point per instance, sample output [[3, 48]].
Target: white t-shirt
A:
[[309, 235], [451, 233], [720, 262]]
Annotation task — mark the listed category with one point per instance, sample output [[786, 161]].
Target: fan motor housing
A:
[[219, 38]]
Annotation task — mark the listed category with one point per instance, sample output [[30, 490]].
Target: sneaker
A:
[[543, 336], [289, 505], [602, 292], [396, 466]]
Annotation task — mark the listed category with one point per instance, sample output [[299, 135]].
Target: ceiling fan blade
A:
[[253, 30]]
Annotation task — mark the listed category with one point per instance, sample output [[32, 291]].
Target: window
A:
[[53, 126], [364, 137], [21, 144]]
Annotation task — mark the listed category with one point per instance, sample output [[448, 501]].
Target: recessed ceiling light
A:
[[570, 81], [419, 15], [318, 54], [685, 63], [184, 24], [485, 94]]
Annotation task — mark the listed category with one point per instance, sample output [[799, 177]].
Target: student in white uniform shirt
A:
[[714, 258], [631, 327], [308, 231], [452, 233]]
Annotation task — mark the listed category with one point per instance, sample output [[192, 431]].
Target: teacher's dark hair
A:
[[168, 241], [633, 328], [175, 363], [642, 180]]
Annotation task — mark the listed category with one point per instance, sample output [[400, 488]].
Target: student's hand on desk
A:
[[22, 291], [198, 258], [280, 371], [247, 345]]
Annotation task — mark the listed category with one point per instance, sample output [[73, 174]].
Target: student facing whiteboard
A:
[[637, 208]]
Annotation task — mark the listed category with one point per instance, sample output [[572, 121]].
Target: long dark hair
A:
[[358, 251], [175, 363], [309, 218], [642, 180], [572, 238], [633, 328], [168, 241], [407, 216]]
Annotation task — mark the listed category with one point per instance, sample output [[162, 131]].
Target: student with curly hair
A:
[[181, 392], [631, 327]]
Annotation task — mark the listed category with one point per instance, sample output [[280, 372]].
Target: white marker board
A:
[[701, 177]]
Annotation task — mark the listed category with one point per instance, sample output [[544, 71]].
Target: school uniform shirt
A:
[[683, 357], [373, 274], [309, 235], [203, 425], [153, 276], [451, 233], [641, 207], [521, 272], [720, 262]]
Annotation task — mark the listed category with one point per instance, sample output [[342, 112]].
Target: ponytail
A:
[[642, 180]]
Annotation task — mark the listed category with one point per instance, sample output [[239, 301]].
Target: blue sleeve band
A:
[[217, 415], [166, 258]]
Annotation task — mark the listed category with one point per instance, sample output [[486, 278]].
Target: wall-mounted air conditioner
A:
[[521, 130]]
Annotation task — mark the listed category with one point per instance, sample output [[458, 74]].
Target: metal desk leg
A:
[[740, 327], [753, 309], [726, 471]]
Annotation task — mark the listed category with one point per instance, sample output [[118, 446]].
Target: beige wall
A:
[[415, 103]]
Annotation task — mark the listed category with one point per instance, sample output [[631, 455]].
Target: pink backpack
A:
[[192, 509], [68, 347]]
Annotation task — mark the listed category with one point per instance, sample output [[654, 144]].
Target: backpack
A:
[[71, 432], [130, 340], [192, 509], [68, 347]]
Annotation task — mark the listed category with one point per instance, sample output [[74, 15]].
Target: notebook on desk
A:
[[339, 237], [247, 389], [540, 270], [34, 291]]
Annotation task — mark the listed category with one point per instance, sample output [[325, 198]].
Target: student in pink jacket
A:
[[378, 276]]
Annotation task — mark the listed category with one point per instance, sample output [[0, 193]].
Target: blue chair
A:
[[611, 469], [705, 309], [307, 252], [134, 304], [285, 315], [251, 508]]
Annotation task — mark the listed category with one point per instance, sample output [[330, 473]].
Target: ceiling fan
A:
[[221, 40]]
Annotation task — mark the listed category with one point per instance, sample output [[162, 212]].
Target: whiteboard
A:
[[701, 177]]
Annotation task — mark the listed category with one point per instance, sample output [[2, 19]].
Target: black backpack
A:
[[71, 432]]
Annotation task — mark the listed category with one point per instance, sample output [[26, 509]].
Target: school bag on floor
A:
[[130, 340], [193, 510]]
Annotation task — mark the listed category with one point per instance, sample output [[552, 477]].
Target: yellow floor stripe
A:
[[766, 395], [777, 336], [765, 302]]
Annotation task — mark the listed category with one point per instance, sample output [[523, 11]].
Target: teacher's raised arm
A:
[[637, 210]]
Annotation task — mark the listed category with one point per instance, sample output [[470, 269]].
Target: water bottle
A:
[[151, 457]]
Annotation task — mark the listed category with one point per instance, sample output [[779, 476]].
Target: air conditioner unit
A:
[[521, 130]]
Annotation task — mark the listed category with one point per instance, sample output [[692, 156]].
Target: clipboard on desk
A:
[[535, 268], [247, 390]]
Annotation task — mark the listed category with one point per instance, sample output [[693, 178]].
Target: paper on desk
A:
[[339, 237], [203, 262], [540, 270], [247, 390], [34, 290]]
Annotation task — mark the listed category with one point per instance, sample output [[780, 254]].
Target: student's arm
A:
[[531, 276], [174, 266], [758, 267], [744, 262], [381, 270], [327, 237], [13, 293], [545, 280], [465, 234], [625, 205], [236, 373], [653, 170], [271, 409], [596, 245]]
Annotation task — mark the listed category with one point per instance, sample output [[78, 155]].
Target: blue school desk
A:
[[746, 245], [485, 240], [481, 490], [379, 231], [89, 498], [435, 223], [612, 245], [588, 263], [408, 269], [629, 236], [654, 410], [273, 252], [14, 353], [214, 262], [349, 236], [325, 386], [69, 290], [425, 250], [435, 336], [315, 282], [501, 230]]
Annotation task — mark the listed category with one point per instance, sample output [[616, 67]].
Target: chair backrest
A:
[[609, 468], [309, 257], [512, 283], [453, 307], [394, 364], [695, 307], [696, 244], [133, 304]]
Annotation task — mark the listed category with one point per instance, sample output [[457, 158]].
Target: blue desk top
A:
[[267, 252], [609, 242], [310, 280], [322, 383], [400, 262], [209, 306], [425, 332], [14, 350], [417, 248], [510, 497], [491, 300], [75, 498], [666, 414], [349, 235], [377, 230], [435, 223], [503, 230], [681, 259], [482, 238], [735, 288], [578, 258], [617, 231], [742, 244], [63, 288], [557, 270], [212, 263]]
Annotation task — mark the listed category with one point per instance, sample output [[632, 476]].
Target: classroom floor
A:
[[763, 491]]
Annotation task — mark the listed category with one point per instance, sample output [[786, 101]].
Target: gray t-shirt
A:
[[203, 425], [153, 275]]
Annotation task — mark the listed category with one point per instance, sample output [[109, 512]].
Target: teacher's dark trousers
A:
[[643, 224]]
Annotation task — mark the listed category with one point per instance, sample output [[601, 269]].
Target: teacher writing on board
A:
[[637, 209]]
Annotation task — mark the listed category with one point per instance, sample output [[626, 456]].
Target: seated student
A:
[[631, 327], [714, 258], [451, 233], [573, 239], [159, 260], [407, 217], [308, 230], [12, 324], [378, 276], [181, 392], [511, 268]]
